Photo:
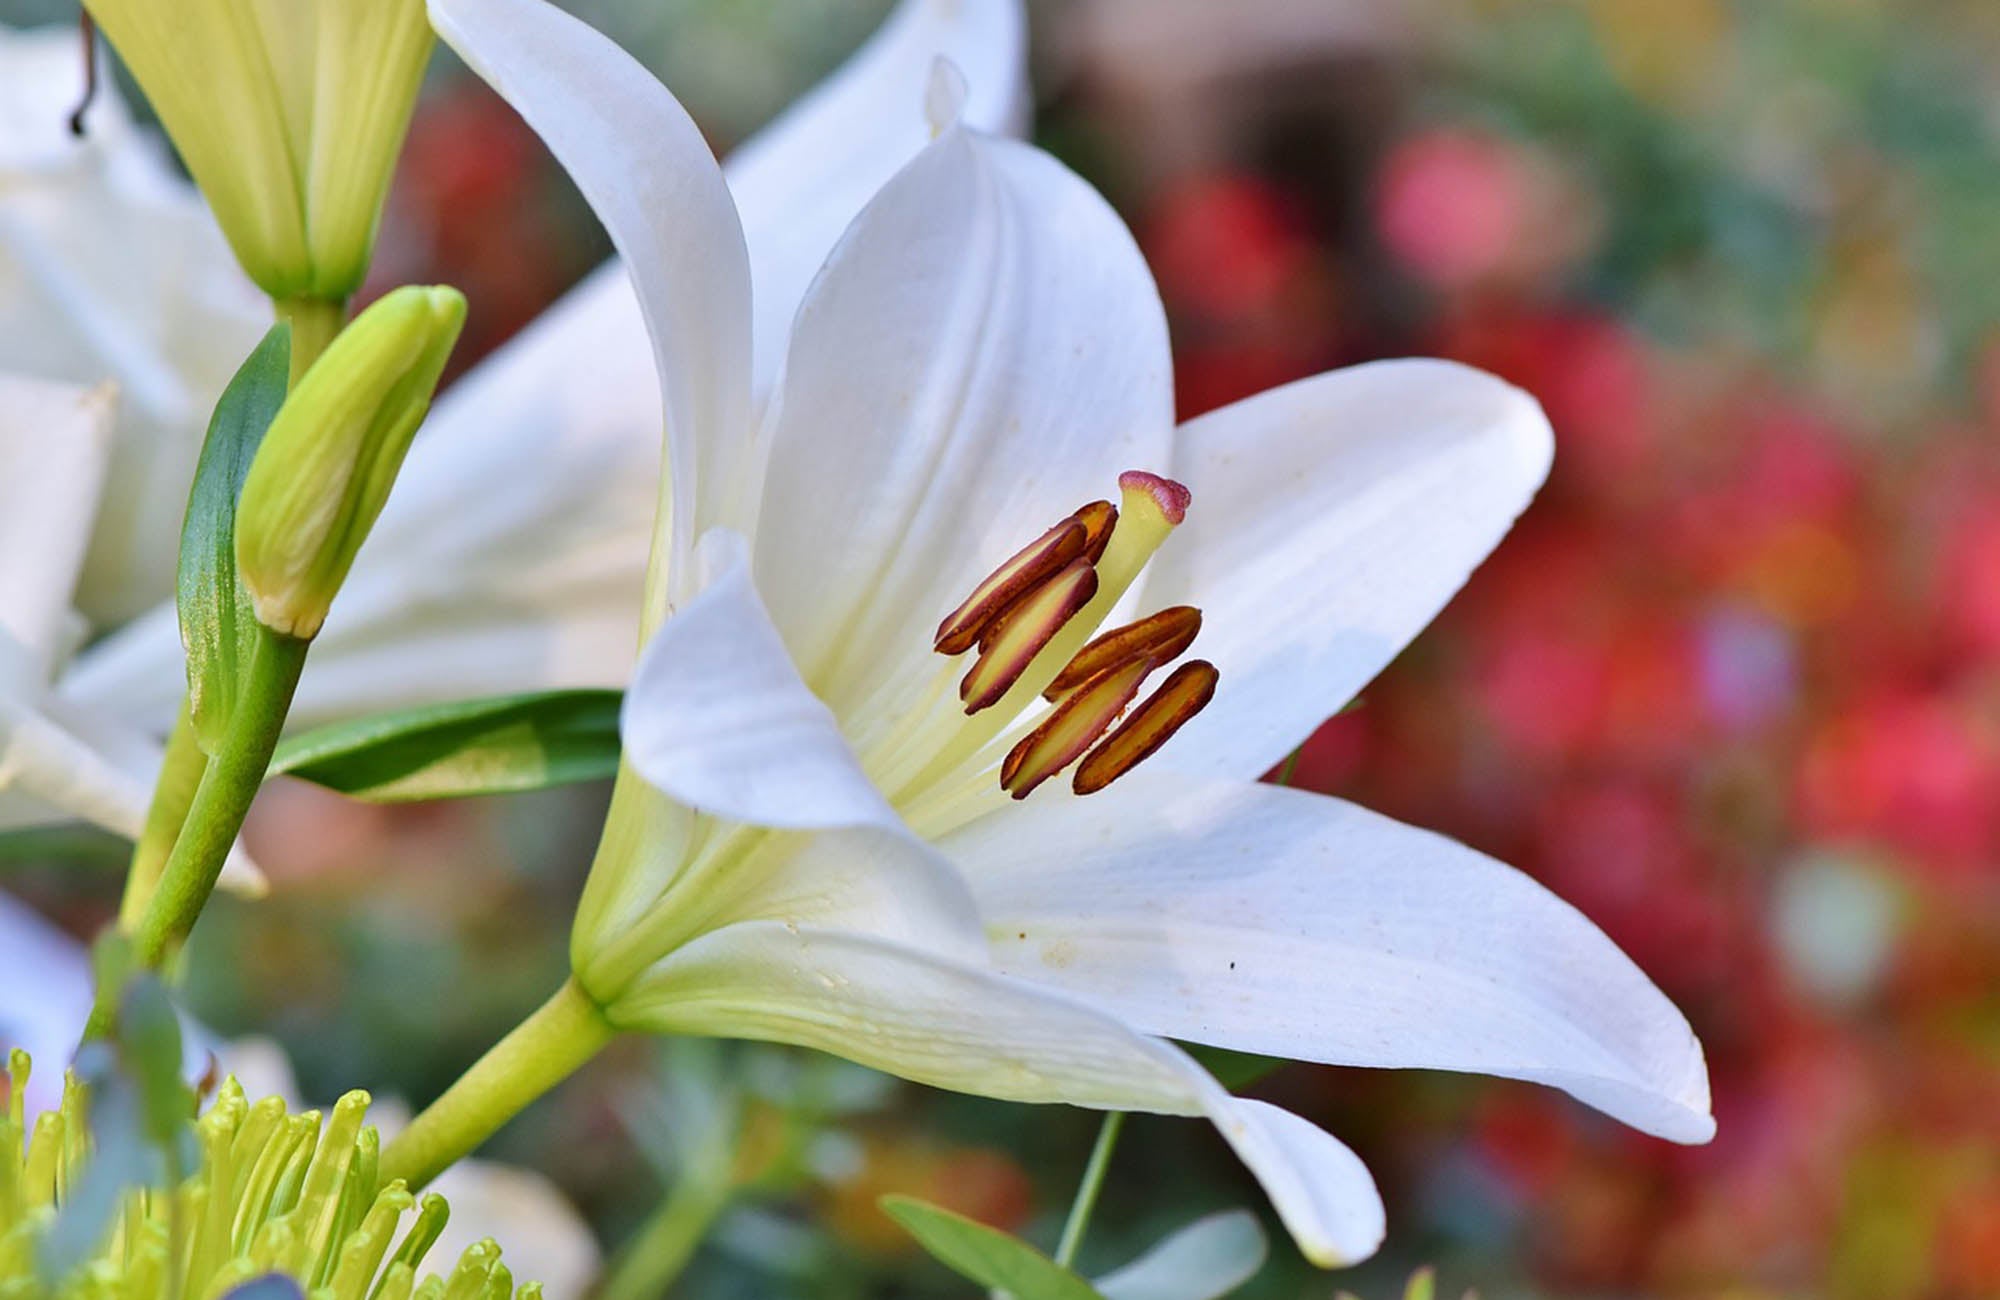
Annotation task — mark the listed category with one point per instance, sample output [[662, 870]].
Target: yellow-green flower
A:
[[269, 1193], [289, 113]]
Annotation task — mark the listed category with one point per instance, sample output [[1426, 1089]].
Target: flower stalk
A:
[[221, 799], [543, 1050]]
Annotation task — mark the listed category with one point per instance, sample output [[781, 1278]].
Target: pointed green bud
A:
[[326, 465], [289, 113]]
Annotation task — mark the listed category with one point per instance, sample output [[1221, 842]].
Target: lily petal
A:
[[718, 718], [1332, 520], [953, 1025], [1287, 923], [55, 441], [45, 999], [648, 174], [1015, 359], [802, 179], [60, 763], [1205, 1260]]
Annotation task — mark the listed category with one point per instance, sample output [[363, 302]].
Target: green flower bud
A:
[[289, 113], [326, 465]]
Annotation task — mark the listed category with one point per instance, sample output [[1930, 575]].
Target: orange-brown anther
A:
[[1071, 727], [1187, 691], [1030, 623], [1098, 519], [1023, 571], [1160, 637]]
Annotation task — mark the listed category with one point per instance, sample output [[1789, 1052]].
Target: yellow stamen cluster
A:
[[270, 1193]]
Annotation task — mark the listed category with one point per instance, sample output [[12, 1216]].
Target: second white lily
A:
[[827, 849]]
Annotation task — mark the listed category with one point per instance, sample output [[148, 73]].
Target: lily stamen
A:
[[1032, 620], [1072, 727], [1185, 693], [1031, 624], [1161, 637], [1025, 570]]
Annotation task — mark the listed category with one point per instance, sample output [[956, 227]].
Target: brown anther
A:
[[1098, 519], [1030, 623], [1160, 637], [1023, 571], [1187, 691], [1071, 727]]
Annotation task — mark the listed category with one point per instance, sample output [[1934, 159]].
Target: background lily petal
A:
[[55, 442]]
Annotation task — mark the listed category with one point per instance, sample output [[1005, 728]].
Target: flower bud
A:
[[326, 465], [289, 115]]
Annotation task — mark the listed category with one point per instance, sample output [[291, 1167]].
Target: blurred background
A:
[[1732, 687]]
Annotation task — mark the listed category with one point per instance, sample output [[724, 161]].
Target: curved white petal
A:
[[984, 352], [802, 179], [1205, 1260], [718, 718], [956, 1026], [1278, 921], [1332, 520], [55, 441], [649, 176], [60, 763]]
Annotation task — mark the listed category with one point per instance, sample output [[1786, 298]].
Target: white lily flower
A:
[[513, 550], [829, 858], [111, 268]]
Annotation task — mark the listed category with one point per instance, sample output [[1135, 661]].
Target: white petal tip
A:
[[944, 96]]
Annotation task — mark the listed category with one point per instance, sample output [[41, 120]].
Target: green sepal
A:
[[496, 745], [986, 1255], [218, 628]]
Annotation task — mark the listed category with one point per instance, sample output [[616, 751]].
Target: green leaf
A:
[[447, 751], [986, 1255], [217, 627]]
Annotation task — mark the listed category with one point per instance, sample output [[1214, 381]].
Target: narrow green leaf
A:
[[447, 751], [217, 627], [986, 1255]]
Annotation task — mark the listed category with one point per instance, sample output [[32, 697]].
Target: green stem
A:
[[173, 795], [664, 1245], [221, 800], [542, 1051], [1087, 1190], [314, 322]]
